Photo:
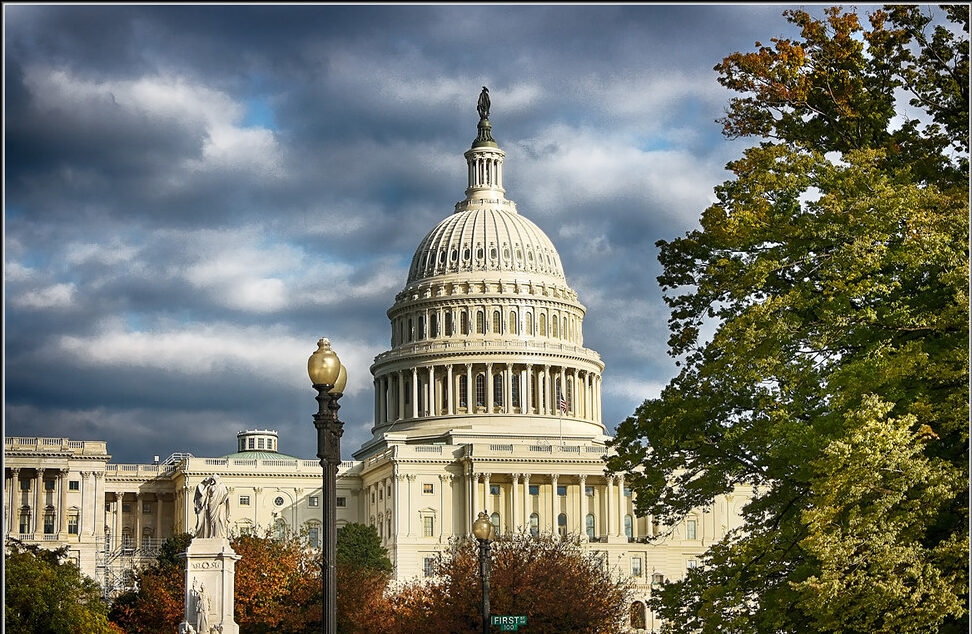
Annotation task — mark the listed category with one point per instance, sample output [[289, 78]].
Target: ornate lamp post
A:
[[483, 530], [329, 378]]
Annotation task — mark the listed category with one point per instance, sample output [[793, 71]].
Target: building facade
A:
[[486, 400]]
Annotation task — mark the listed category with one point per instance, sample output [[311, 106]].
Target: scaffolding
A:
[[116, 567]]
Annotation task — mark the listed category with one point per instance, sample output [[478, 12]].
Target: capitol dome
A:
[[486, 336]]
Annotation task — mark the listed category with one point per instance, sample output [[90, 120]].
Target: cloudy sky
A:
[[195, 194]]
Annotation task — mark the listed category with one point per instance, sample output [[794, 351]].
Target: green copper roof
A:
[[260, 455]]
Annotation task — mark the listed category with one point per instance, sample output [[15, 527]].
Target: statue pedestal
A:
[[210, 574]]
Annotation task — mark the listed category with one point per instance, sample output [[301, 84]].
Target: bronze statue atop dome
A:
[[483, 106]]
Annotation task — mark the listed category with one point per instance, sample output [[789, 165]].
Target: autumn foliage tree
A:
[[833, 272], [553, 582], [158, 605]]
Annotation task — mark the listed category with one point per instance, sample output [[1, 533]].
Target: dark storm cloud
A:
[[195, 194]]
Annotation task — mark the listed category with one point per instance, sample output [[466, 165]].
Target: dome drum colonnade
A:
[[487, 325]]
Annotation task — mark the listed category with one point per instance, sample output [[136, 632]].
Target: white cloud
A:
[[632, 388], [50, 297], [213, 350]]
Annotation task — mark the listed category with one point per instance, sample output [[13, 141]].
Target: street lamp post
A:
[[483, 530], [329, 378]]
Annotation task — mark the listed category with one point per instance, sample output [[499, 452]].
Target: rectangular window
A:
[[126, 508], [74, 485], [636, 566], [389, 491], [73, 524], [341, 502], [259, 443], [25, 485], [380, 493], [561, 491], [24, 521], [244, 500], [49, 524], [690, 529], [589, 491], [534, 489], [48, 485], [494, 489], [428, 564], [428, 526], [627, 492], [313, 536], [146, 508], [313, 501], [428, 487], [692, 564]]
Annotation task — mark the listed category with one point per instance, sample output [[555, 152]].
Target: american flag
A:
[[563, 404]]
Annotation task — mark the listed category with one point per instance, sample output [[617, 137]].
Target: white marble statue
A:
[[211, 502]]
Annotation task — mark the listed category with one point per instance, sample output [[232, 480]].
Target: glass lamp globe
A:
[[482, 528], [340, 382], [323, 366]]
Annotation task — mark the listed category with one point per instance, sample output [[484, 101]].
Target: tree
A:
[[833, 271], [45, 594], [551, 581], [278, 584], [158, 605], [363, 572]]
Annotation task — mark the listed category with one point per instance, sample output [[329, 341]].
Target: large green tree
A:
[[46, 595], [832, 273]]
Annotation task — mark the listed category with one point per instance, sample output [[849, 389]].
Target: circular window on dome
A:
[[465, 254], [506, 254], [278, 501], [492, 253], [519, 254], [530, 255], [479, 254], [441, 257], [455, 255]]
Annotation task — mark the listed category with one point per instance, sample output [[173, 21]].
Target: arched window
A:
[[553, 327], [627, 526], [589, 526], [563, 330], [314, 534], [498, 390], [25, 519], [448, 323], [535, 395], [638, 615], [495, 521], [74, 519], [480, 322], [480, 390], [515, 387], [408, 330], [534, 524], [562, 524], [570, 395], [464, 322], [49, 522], [420, 333], [512, 322], [543, 325], [497, 322], [433, 325], [529, 323], [280, 529], [463, 392]]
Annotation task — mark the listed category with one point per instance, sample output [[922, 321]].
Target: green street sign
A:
[[509, 623]]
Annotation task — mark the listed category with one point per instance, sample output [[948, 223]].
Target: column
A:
[[98, 521], [13, 506], [396, 503], [62, 513], [609, 507], [450, 402], [400, 412], [470, 391], [410, 479], [528, 388], [38, 507], [554, 498], [474, 478], [415, 404], [582, 507], [443, 478], [432, 409], [489, 388], [137, 529], [621, 507], [383, 399], [547, 388], [508, 397], [158, 517], [526, 501], [116, 530], [515, 521], [563, 387], [487, 497], [597, 397]]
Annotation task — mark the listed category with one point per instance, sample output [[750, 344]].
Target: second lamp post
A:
[[329, 378]]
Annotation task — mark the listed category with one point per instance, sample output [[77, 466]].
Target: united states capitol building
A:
[[486, 399]]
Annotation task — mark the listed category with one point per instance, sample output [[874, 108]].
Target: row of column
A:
[[117, 518], [520, 503], [439, 387], [445, 323], [37, 508]]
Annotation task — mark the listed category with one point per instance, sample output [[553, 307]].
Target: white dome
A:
[[485, 237]]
